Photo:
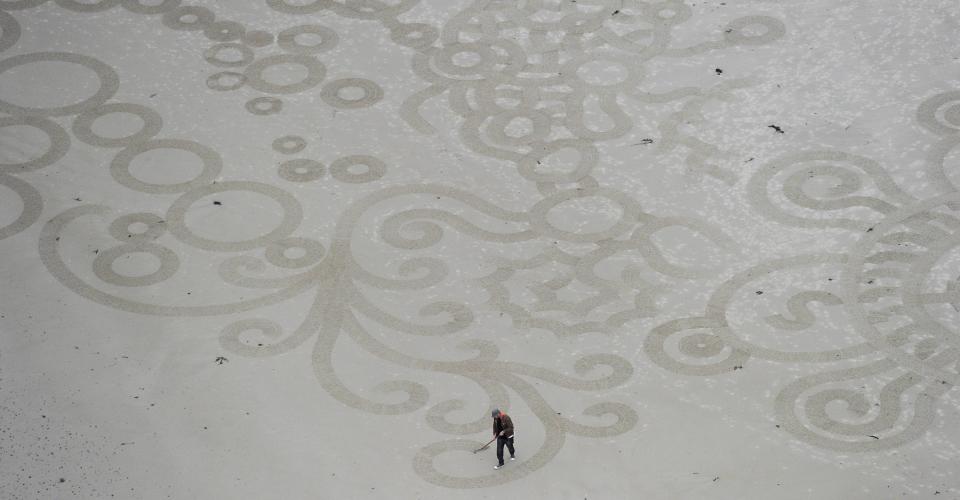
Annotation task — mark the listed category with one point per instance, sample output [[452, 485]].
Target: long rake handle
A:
[[484, 446]]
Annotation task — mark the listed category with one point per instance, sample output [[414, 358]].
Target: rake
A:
[[485, 446]]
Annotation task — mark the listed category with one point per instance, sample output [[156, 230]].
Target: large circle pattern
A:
[[59, 142], [177, 214], [120, 166], [316, 72], [83, 124], [109, 83]]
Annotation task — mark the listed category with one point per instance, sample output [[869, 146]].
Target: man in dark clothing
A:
[[503, 430]]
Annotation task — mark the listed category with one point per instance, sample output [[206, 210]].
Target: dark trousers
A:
[[501, 440]]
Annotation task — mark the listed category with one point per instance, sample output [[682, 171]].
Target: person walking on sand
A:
[[503, 431]]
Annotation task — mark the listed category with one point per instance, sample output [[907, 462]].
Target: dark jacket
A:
[[503, 423]]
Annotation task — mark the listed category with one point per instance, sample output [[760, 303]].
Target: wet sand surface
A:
[[300, 248]]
